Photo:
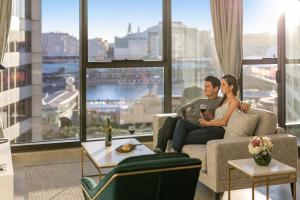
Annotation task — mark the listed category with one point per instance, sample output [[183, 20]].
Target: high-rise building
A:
[[59, 44], [98, 49], [21, 80]]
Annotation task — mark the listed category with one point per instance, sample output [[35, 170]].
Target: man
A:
[[191, 111]]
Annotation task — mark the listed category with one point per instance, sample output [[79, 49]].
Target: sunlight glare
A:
[[292, 9]]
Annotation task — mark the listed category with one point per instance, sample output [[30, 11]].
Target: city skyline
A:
[[57, 15]]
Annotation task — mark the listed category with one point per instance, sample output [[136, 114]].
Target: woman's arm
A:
[[233, 104]]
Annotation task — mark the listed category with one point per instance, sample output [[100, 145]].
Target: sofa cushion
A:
[[267, 122], [197, 151], [240, 124]]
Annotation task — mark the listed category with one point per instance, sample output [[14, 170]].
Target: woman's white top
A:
[[221, 111]]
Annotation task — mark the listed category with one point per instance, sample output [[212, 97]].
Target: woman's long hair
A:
[[231, 81]]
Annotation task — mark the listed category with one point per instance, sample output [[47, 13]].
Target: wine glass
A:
[[202, 108], [131, 129]]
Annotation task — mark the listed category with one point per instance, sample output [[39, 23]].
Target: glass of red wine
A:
[[131, 129], [202, 108]]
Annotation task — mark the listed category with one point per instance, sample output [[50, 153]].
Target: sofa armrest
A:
[[158, 120], [285, 149], [280, 130]]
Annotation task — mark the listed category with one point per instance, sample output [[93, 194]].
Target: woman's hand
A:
[[207, 115], [203, 122]]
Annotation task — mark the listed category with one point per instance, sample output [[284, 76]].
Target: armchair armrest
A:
[[88, 185], [158, 120], [285, 149], [91, 189]]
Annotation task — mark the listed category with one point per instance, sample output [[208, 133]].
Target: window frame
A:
[[85, 64], [280, 73]]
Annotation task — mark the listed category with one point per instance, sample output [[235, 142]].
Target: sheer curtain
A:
[[228, 30], [5, 15], [292, 67]]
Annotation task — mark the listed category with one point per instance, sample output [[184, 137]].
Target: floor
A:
[[22, 160]]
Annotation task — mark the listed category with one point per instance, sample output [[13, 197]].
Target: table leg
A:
[[229, 184], [267, 186], [294, 190], [82, 162], [253, 186]]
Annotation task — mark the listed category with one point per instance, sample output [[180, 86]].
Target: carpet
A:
[[62, 182], [56, 182]]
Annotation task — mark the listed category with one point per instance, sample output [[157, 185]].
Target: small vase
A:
[[263, 159]]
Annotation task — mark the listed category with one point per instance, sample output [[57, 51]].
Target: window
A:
[[12, 114], [127, 96], [5, 116], [259, 53], [23, 75], [260, 28], [259, 86], [12, 76], [292, 22], [60, 70], [193, 50], [5, 79], [125, 66], [19, 41], [137, 35]]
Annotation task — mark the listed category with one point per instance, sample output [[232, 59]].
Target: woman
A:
[[187, 132]]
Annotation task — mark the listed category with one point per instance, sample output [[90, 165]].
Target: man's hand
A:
[[244, 106], [203, 122]]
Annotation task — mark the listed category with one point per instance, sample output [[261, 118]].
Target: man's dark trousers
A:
[[165, 133]]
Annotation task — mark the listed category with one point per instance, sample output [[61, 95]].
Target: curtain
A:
[[5, 15], [227, 21]]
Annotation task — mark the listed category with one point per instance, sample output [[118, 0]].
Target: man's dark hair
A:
[[214, 81]]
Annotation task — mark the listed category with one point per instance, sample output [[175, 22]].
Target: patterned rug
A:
[[62, 182], [56, 182]]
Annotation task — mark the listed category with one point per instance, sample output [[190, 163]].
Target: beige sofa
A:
[[216, 153]]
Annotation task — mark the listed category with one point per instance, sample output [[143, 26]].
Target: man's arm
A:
[[244, 106], [191, 104]]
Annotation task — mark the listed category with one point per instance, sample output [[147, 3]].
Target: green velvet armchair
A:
[[170, 176]]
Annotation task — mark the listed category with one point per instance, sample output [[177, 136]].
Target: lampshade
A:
[[1, 67]]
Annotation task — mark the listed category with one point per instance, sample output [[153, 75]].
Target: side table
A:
[[107, 157], [276, 173]]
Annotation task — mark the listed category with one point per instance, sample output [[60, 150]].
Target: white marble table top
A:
[[107, 156], [249, 167]]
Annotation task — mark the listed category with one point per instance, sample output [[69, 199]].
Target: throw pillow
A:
[[240, 124], [267, 122]]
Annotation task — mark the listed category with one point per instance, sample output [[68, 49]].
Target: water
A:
[[115, 92], [69, 67], [101, 91]]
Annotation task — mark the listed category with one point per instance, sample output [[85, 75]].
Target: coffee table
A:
[[276, 173], [106, 157]]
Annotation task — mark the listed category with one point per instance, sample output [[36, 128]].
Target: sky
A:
[[110, 18]]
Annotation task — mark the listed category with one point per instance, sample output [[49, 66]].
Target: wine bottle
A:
[[108, 133]]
